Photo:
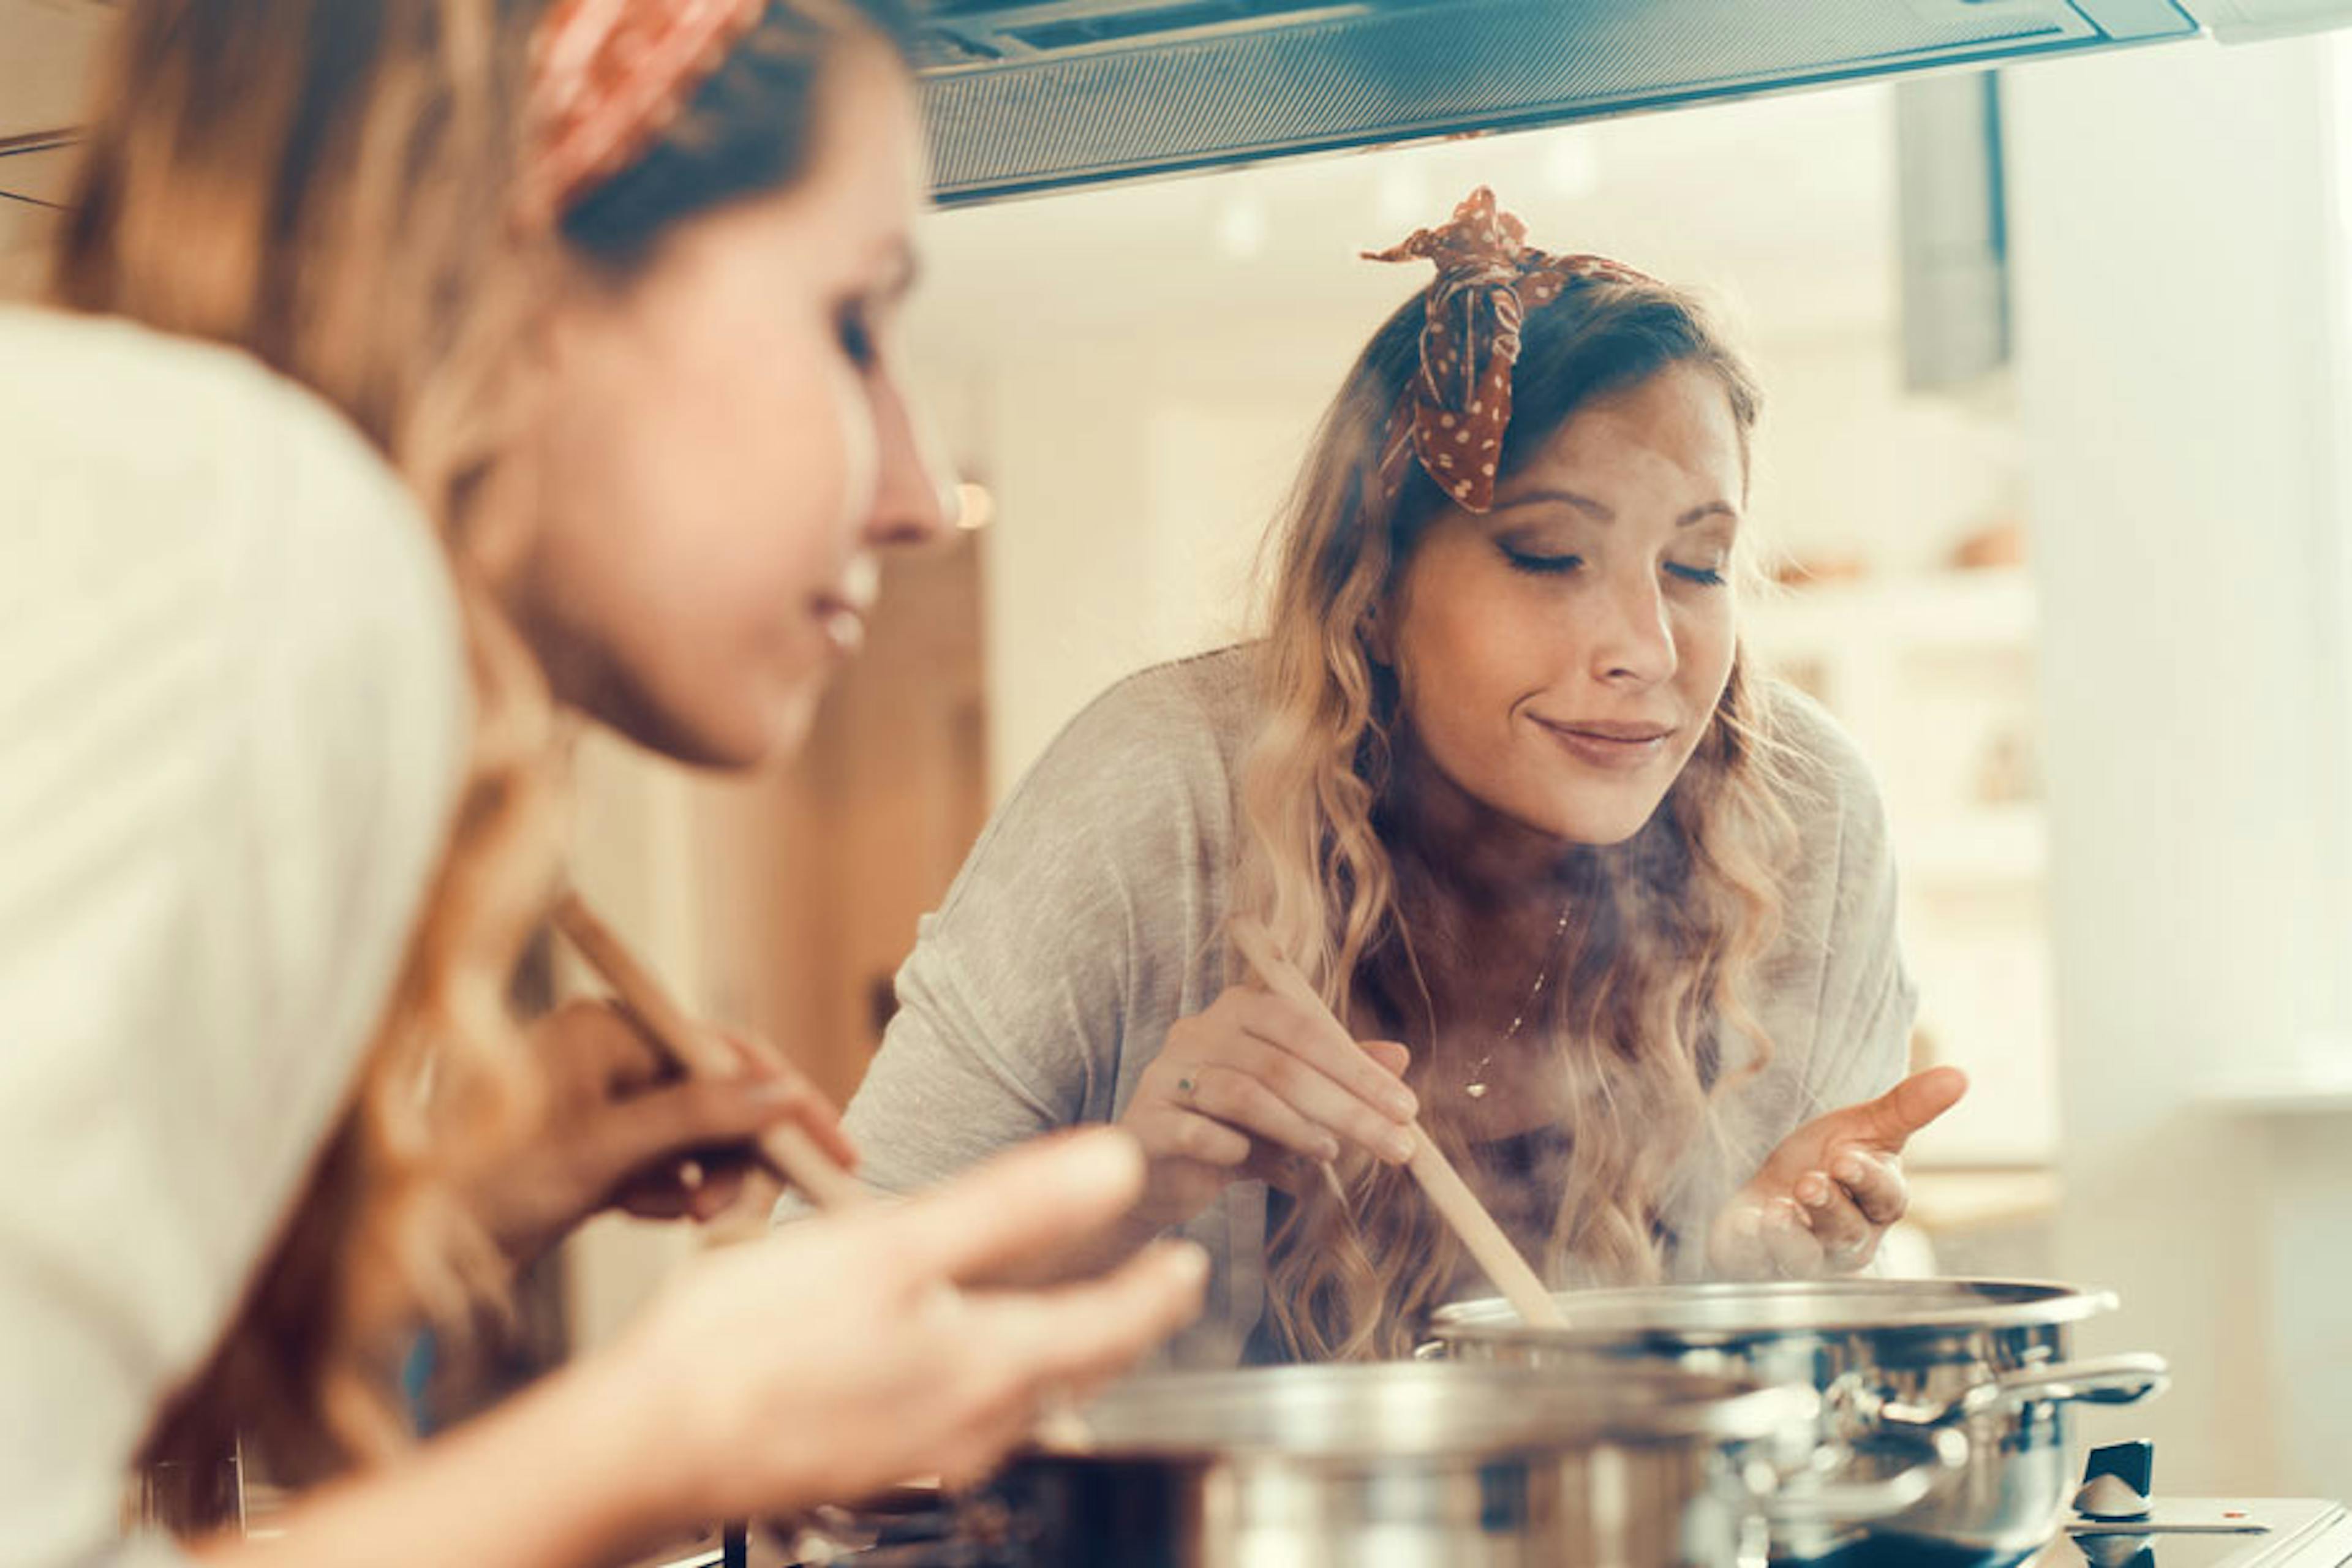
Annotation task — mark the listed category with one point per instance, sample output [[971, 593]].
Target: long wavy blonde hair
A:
[[1650, 993], [322, 184], [326, 185]]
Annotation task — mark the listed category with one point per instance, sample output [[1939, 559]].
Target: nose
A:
[[1633, 634], [914, 485]]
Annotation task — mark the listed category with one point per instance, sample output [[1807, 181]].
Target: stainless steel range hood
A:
[[1036, 96]]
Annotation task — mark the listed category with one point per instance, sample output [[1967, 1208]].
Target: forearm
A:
[[556, 1479]]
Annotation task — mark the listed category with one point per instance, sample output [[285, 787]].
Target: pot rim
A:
[[1519, 1410], [2004, 1304]]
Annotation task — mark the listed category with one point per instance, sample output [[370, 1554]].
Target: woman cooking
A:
[[1613, 916], [425, 361]]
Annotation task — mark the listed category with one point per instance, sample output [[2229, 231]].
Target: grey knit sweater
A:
[[1085, 922]]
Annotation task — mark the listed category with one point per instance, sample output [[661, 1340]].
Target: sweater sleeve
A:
[[1063, 947], [1867, 1002]]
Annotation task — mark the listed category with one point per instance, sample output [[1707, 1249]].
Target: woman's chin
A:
[[747, 736], [767, 735], [1599, 825]]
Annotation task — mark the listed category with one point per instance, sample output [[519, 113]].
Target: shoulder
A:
[[234, 517], [237, 716], [76, 385], [1127, 816], [198, 444], [1202, 700], [1840, 883], [1173, 731], [1827, 786], [1818, 758]]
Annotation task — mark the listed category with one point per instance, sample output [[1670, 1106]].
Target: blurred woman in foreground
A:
[[428, 367]]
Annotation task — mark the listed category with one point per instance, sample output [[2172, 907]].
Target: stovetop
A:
[[2288, 1532], [2270, 1532]]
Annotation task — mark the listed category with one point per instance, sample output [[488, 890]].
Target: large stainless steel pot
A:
[[1404, 1465], [1893, 1359]]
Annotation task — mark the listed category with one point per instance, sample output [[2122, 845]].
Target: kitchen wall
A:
[[24, 229], [1132, 501], [2181, 276], [46, 49]]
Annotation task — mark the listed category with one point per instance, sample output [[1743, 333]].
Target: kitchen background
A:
[[2057, 465]]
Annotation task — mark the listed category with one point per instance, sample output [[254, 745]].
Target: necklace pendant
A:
[[1475, 1091]]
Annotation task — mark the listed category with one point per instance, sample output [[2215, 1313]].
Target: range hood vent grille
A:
[[1162, 21], [1039, 97]]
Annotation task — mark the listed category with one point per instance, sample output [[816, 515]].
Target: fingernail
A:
[[1814, 1192], [1402, 1103], [1850, 1170], [1400, 1147]]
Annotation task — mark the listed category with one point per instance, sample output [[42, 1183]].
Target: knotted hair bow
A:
[[607, 77], [1457, 405]]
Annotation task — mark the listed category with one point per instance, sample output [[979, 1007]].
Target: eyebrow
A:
[[1601, 513]]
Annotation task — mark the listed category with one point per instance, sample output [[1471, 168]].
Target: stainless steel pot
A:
[[1404, 1465], [1893, 1360]]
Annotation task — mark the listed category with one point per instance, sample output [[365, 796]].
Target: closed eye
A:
[[1705, 576], [1541, 565]]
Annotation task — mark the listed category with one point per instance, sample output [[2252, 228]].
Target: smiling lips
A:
[[1613, 744]]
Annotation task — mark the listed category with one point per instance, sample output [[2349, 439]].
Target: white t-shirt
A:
[[232, 722]]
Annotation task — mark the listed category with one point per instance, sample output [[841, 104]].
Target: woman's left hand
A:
[[1828, 1193], [623, 1131]]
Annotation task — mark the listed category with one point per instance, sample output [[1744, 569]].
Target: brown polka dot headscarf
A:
[[607, 77], [1457, 407]]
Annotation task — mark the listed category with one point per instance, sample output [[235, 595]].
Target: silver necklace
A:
[[1477, 1088]]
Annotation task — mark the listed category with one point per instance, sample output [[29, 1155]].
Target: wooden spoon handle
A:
[[1454, 1201], [697, 1051]]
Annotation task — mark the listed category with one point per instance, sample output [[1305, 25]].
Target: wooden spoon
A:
[[1455, 1202]]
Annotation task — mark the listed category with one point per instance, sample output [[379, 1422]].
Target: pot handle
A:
[[2108, 1380], [1936, 1456]]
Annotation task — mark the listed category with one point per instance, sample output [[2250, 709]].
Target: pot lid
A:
[[1723, 1314]]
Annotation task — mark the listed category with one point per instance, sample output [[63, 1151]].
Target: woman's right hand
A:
[[854, 1351], [1260, 1088]]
